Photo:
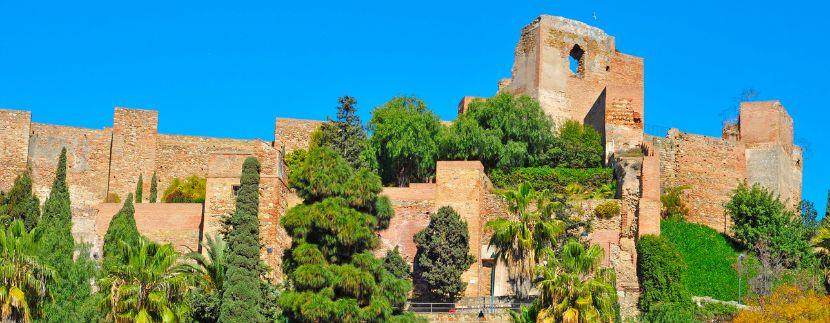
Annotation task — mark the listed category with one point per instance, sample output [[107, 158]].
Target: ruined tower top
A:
[[575, 73]]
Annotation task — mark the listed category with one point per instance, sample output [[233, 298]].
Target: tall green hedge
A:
[[554, 178], [711, 259], [662, 271]]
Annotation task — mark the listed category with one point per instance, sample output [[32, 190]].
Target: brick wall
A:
[[14, 145], [413, 207], [134, 148], [184, 156], [711, 168], [293, 134], [460, 185], [174, 223], [87, 161], [765, 122]]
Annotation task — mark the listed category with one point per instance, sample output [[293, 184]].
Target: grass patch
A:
[[711, 258]]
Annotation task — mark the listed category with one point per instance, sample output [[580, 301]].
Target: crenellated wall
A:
[[87, 161]]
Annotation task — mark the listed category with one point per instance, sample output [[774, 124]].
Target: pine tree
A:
[[443, 256], [139, 189], [345, 135], [334, 276], [154, 189], [20, 203], [396, 265], [56, 221], [242, 289], [122, 228]]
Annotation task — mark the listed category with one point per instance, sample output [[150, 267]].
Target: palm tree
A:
[[574, 288], [144, 286], [208, 268], [23, 276], [520, 239]]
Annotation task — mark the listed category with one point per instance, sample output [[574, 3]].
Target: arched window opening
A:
[[576, 61]]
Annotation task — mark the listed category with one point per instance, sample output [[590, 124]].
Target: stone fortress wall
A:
[[605, 90]]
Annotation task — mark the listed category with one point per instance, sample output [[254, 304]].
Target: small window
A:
[[235, 189], [576, 61]]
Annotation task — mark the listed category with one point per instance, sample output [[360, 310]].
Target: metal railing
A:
[[490, 308]]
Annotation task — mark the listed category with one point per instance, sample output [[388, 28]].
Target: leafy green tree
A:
[[520, 239], [242, 290], [24, 277], [143, 286], [573, 287], [662, 270], [443, 256], [207, 271], [577, 146], [122, 228], [20, 203], [345, 135], [760, 216], [139, 189], [394, 263], [154, 188], [56, 221], [405, 140], [330, 268], [808, 216], [504, 131]]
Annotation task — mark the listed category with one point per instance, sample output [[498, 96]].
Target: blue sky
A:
[[227, 69]]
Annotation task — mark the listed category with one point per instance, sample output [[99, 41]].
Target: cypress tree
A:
[[154, 189], [443, 256], [20, 203], [57, 243], [139, 189], [242, 291], [122, 228]]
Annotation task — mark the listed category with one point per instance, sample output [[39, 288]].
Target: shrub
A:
[[577, 145], [673, 206], [788, 304], [715, 312], [662, 270], [670, 312], [607, 210], [191, 190], [591, 180], [760, 217], [711, 259], [112, 198]]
